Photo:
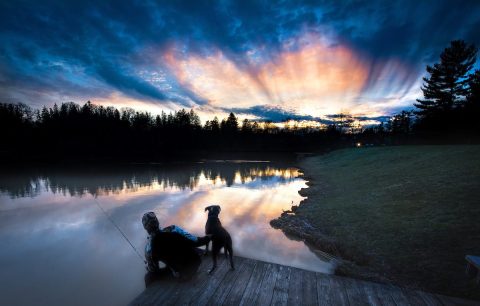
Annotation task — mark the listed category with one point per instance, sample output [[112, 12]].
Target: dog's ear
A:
[[207, 208]]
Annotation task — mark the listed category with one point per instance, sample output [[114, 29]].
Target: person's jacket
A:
[[175, 250]]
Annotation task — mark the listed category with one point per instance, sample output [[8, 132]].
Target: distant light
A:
[[359, 144]]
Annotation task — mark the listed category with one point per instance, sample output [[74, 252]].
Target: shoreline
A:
[[392, 214], [348, 261]]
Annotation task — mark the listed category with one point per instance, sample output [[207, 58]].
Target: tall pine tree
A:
[[447, 86], [472, 108], [474, 96]]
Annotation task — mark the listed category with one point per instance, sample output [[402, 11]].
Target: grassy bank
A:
[[412, 211]]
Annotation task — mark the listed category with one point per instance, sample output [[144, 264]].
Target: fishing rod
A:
[[118, 228]]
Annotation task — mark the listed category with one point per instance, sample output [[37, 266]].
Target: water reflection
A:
[[80, 181], [58, 246]]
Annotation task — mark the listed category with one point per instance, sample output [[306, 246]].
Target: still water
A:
[[58, 247]]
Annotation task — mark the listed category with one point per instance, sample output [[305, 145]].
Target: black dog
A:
[[220, 237]]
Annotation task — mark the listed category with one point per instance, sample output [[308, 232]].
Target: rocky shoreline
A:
[[347, 261], [403, 215]]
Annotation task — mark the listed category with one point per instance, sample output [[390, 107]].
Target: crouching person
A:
[[175, 247]]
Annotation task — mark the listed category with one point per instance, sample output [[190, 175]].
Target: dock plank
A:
[[221, 293], [398, 296], [295, 292], [429, 299], [254, 284], [413, 297], [196, 285], [202, 297], [268, 283], [260, 283], [371, 294], [329, 291], [235, 295], [164, 291], [280, 291], [383, 295], [309, 288], [190, 286], [354, 295]]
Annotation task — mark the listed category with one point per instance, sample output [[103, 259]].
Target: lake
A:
[[59, 240]]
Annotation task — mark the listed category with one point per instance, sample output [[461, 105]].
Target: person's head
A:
[[150, 222]]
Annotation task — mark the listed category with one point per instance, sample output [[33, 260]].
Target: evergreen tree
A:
[[472, 108], [231, 124], [246, 126], [474, 95], [194, 119], [215, 125], [447, 85], [401, 123]]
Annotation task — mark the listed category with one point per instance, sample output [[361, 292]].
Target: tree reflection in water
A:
[[78, 181]]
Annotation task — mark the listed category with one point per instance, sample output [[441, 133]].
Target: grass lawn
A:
[[414, 211]]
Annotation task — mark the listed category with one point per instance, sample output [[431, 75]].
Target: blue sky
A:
[[262, 59]]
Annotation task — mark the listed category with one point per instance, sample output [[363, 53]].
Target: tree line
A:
[[92, 131]]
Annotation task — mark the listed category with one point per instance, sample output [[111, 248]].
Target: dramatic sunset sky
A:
[[260, 59]]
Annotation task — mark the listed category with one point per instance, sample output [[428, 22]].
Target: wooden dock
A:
[[259, 283]]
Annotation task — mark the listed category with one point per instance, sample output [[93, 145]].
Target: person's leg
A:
[[190, 268]]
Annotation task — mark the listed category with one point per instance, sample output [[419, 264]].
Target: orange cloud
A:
[[217, 79], [316, 79]]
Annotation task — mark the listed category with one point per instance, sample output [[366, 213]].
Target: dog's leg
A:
[[206, 248], [228, 246], [215, 251]]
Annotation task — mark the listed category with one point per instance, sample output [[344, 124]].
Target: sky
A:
[[264, 60]]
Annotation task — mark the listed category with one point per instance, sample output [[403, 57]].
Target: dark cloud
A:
[[105, 40], [129, 84], [278, 114], [272, 113], [335, 117], [360, 118]]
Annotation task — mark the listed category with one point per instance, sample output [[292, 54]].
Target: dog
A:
[[220, 237]]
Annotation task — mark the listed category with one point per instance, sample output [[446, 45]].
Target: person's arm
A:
[[152, 265]]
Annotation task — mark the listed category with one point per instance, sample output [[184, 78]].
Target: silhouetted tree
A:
[[401, 123], [447, 85], [474, 95], [230, 125], [215, 125], [344, 122], [246, 126], [472, 107]]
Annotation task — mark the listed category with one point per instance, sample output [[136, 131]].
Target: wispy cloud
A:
[[318, 58]]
